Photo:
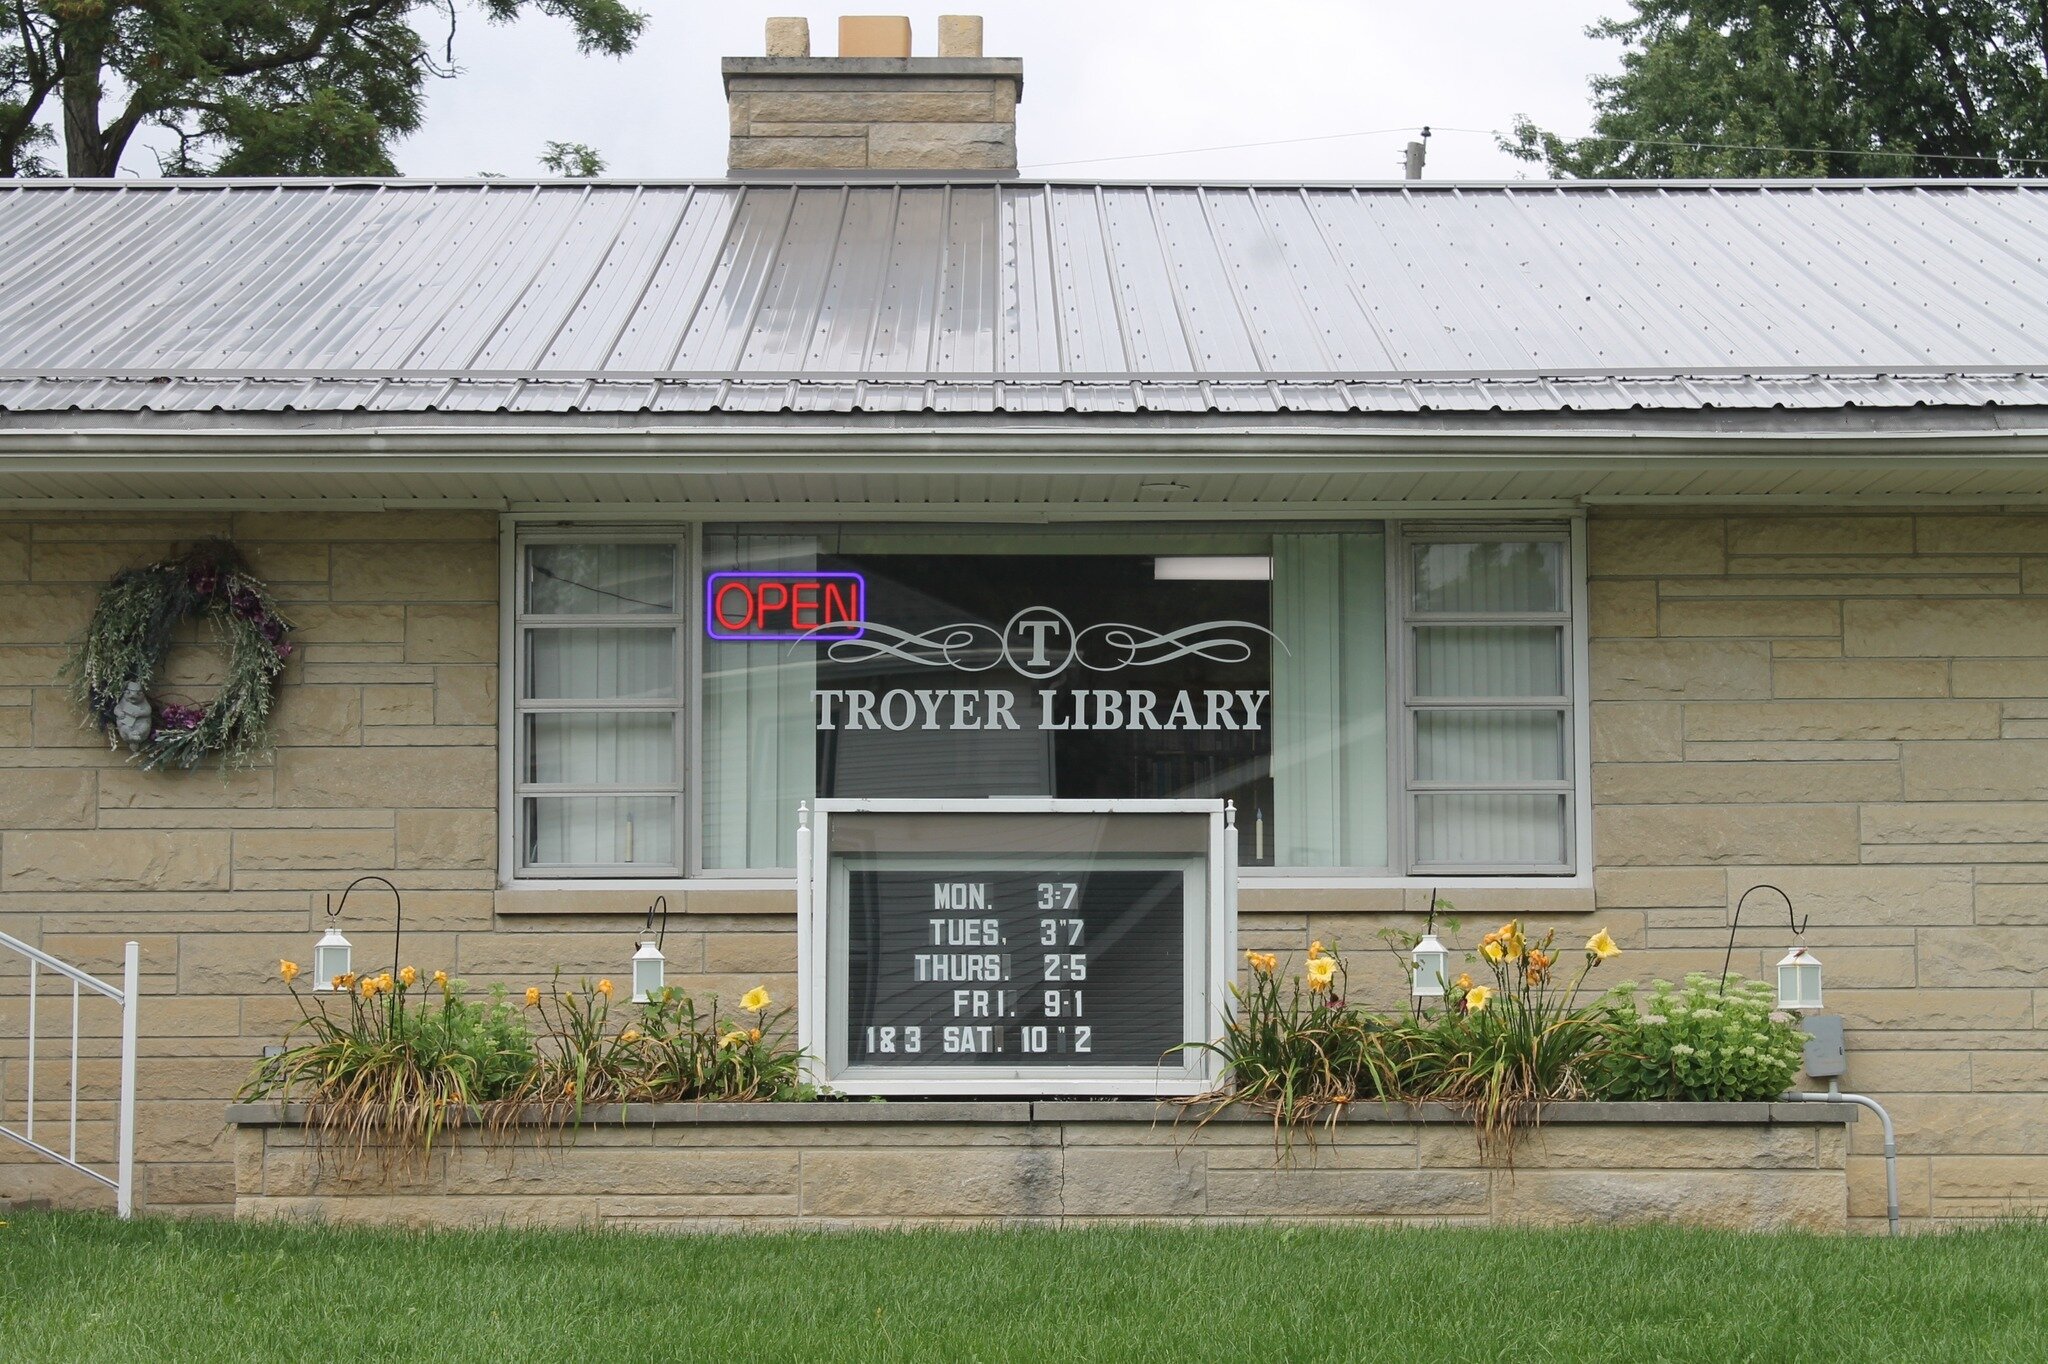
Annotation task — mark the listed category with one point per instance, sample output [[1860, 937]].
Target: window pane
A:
[[1484, 746], [601, 580], [1489, 660], [633, 748], [1486, 576], [759, 732], [604, 831], [1506, 829], [1329, 701], [600, 664]]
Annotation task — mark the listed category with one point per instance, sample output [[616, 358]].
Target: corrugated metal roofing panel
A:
[[1023, 396], [402, 296]]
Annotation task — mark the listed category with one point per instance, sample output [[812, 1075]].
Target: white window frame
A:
[[517, 707], [522, 528], [1406, 706]]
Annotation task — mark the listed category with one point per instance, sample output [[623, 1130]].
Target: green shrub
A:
[[402, 1060], [1499, 1051], [664, 1051], [1298, 1052], [681, 1054], [1700, 1042]]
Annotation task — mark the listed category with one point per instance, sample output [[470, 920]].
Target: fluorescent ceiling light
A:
[[1234, 568]]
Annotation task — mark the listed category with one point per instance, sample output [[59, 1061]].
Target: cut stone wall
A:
[[718, 1167], [1853, 707], [873, 113], [386, 762]]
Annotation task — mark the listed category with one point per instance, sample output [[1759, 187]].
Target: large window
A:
[[1373, 700], [598, 751], [1486, 630]]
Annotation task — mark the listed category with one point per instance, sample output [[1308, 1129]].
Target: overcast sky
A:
[[1102, 78]]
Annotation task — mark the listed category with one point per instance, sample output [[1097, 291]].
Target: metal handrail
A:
[[42, 958], [122, 1181]]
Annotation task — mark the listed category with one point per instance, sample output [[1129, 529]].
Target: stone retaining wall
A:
[[685, 1167]]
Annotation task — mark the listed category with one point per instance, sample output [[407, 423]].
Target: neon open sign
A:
[[822, 607]]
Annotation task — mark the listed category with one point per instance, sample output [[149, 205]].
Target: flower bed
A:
[[703, 1167], [1501, 1051], [401, 1057]]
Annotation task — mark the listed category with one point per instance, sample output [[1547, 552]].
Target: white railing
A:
[[122, 1181]]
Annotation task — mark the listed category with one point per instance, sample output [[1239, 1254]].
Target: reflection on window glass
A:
[[600, 831], [601, 749], [600, 664], [1477, 661], [601, 580], [1470, 653], [1487, 577], [1489, 829], [1489, 745], [1243, 665]]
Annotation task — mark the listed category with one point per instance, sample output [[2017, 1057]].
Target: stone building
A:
[[1630, 545]]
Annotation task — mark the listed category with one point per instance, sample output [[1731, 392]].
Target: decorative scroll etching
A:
[[1040, 642]]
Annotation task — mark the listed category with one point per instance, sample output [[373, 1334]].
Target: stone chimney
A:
[[874, 107]]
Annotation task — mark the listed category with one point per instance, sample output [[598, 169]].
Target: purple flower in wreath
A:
[[204, 580], [284, 649], [245, 603], [271, 629], [171, 715]]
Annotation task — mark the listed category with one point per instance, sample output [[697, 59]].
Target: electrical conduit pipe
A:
[[1891, 1146]]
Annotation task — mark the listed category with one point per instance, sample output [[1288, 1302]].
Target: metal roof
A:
[[1017, 297]]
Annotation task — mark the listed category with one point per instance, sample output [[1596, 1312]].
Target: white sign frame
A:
[[1211, 939]]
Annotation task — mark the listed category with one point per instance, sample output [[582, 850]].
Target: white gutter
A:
[[1137, 448]]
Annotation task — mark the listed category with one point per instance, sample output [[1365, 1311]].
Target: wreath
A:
[[132, 631]]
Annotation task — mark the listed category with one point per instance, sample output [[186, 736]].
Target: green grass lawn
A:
[[77, 1288]]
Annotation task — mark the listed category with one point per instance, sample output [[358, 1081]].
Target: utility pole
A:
[[1418, 153]]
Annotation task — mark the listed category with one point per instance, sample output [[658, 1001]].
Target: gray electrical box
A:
[[1825, 1055]]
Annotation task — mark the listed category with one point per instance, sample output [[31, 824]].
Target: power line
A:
[[1751, 147], [1589, 137], [1226, 147]]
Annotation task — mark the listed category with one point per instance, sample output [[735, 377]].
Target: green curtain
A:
[[1330, 700], [759, 740]]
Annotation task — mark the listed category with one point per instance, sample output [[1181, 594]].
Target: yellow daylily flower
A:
[[732, 1039], [1492, 951], [753, 1034], [441, 979], [345, 981], [1320, 970], [289, 970], [756, 999], [408, 977], [630, 1035], [1601, 946], [604, 987], [1315, 949], [1464, 981], [1475, 999], [533, 996], [385, 984]]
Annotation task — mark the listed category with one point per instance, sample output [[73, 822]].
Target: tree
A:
[[244, 87], [573, 160], [1713, 88]]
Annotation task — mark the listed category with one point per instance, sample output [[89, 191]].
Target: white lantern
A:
[[330, 958], [648, 966], [1799, 980], [1432, 964]]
